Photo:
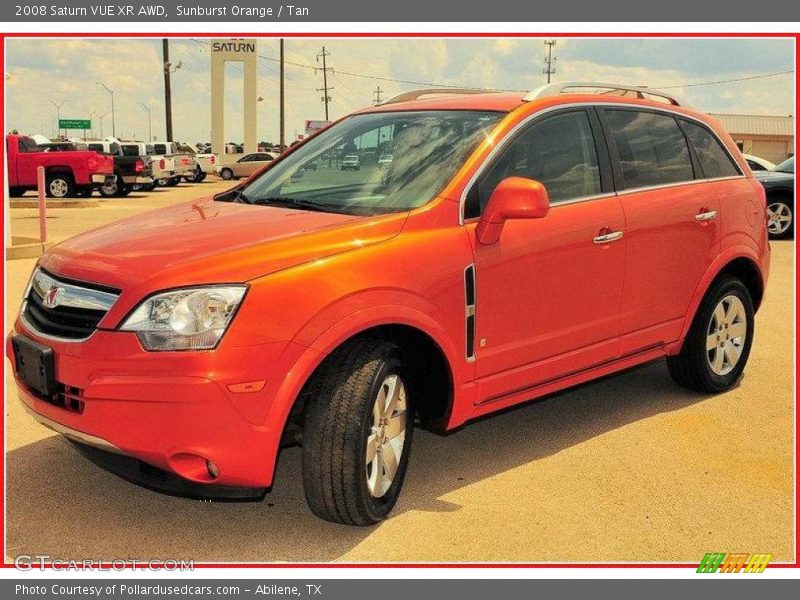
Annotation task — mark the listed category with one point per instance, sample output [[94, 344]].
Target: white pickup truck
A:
[[185, 163], [206, 163]]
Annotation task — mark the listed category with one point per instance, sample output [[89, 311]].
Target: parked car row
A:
[[115, 168]]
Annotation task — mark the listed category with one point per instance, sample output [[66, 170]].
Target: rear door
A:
[[672, 222], [549, 291]]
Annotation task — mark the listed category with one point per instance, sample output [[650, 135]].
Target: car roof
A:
[[546, 95], [490, 101]]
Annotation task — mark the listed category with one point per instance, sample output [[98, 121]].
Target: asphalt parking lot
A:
[[631, 468]]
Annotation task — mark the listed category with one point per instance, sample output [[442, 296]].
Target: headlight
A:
[[185, 319]]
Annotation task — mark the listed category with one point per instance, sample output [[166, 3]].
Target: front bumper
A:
[[174, 411]]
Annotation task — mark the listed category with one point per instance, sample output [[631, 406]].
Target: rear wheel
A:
[[60, 185], [780, 217], [716, 349], [199, 176], [174, 181], [357, 434], [226, 174], [162, 182]]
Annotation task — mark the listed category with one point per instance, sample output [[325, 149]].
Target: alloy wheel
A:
[[779, 217], [726, 335], [58, 188], [386, 435]]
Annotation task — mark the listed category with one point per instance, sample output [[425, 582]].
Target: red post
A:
[[42, 204]]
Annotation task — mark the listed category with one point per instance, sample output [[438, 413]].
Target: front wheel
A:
[[357, 434], [226, 174], [199, 177], [718, 344]]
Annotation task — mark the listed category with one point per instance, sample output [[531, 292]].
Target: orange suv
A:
[[512, 246]]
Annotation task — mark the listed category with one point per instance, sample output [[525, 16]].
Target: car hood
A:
[[211, 242], [773, 176]]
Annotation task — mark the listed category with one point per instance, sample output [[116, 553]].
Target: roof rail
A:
[[417, 94], [554, 89]]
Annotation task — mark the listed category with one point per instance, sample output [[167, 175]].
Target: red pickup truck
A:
[[67, 174]]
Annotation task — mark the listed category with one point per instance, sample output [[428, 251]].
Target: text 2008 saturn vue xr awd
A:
[[514, 245]]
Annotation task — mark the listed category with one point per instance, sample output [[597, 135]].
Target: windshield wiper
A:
[[240, 198], [290, 203]]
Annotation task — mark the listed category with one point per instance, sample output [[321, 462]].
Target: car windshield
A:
[[786, 166], [427, 147]]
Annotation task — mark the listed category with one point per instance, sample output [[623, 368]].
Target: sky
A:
[[66, 69]]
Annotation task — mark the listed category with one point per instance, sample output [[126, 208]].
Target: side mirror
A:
[[513, 198]]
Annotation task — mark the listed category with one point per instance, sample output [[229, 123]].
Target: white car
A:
[[756, 163]]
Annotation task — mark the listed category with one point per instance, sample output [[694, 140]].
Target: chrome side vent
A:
[[469, 301]]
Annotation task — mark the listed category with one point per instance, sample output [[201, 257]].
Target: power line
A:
[[762, 76]]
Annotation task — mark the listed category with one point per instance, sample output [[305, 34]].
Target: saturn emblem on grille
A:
[[50, 298]]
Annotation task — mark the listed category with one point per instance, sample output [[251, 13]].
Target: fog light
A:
[[213, 470]]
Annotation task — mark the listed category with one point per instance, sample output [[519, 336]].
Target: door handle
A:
[[706, 216], [605, 238]]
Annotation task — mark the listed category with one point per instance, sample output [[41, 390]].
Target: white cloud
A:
[[68, 68]]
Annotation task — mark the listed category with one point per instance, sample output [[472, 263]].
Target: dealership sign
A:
[[234, 46], [314, 126], [74, 124]]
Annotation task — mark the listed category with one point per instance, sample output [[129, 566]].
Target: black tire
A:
[[60, 185], [174, 181], [162, 182], [337, 426], [784, 203], [112, 188], [149, 187], [199, 176], [124, 190], [226, 174], [691, 368]]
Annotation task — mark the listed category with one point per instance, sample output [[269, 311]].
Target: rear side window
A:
[[652, 148], [130, 150], [558, 151], [714, 160], [96, 147]]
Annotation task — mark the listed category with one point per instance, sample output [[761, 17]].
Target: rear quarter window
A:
[[651, 147], [714, 159]]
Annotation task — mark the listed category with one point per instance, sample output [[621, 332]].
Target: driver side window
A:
[[558, 151]]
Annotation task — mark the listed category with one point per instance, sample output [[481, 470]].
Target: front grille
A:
[[65, 309]]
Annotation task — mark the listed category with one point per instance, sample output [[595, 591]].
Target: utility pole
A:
[[282, 140], [167, 87], [325, 98], [549, 68], [149, 122], [376, 95], [58, 104]]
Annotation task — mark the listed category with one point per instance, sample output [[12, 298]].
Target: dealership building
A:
[[769, 136]]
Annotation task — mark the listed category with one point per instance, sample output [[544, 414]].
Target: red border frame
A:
[[276, 34]]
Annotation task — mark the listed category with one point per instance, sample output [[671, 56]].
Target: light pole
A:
[[101, 116], [149, 122], [111, 93], [58, 104]]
